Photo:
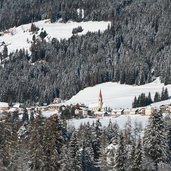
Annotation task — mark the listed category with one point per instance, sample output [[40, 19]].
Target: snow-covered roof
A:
[[84, 108], [13, 109], [56, 104], [149, 107], [99, 112], [4, 105], [127, 110], [93, 105], [96, 105], [111, 146], [47, 114], [117, 110], [17, 105]]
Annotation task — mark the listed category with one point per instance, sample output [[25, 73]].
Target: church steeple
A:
[[100, 100]]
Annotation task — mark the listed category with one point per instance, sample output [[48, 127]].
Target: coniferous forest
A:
[[133, 50], [50, 144]]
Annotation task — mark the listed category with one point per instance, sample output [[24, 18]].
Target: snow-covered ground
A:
[[21, 36], [121, 120], [117, 95]]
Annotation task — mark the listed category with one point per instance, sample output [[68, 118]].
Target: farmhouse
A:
[[149, 110], [4, 106]]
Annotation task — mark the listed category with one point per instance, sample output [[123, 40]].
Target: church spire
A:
[[100, 100], [100, 94]]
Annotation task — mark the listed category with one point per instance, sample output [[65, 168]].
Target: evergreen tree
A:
[[121, 155], [162, 94], [134, 104], [166, 94], [155, 142], [87, 158], [8, 144], [112, 131], [43, 34], [36, 145], [31, 116], [74, 162], [96, 140], [5, 52], [137, 162], [102, 161], [149, 100], [51, 157], [15, 116], [25, 117], [157, 97]]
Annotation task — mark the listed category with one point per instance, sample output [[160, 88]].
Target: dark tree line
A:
[[144, 100], [24, 11]]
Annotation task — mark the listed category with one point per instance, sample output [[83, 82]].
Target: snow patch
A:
[[116, 95], [21, 37], [121, 121]]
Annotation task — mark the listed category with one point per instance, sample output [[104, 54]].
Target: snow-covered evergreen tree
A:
[[36, 145], [51, 157], [74, 162], [155, 140], [102, 161], [112, 131], [121, 154], [138, 157]]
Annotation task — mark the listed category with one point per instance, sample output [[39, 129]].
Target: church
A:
[[98, 107]]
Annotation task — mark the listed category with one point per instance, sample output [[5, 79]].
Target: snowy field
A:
[[117, 95], [121, 120], [21, 36]]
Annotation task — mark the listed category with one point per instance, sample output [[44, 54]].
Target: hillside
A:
[[133, 50], [21, 37], [63, 52], [116, 95]]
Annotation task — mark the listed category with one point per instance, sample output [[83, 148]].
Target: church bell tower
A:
[[100, 100]]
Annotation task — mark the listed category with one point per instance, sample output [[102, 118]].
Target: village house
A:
[[117, 112], [168, 109], [41, 108], [1, 33], [99, 114], [57, 100], [94, 107], [4, 107], [141, 111], [81, 110], [126, 111], [134, 111], [56, 106], [163, 108], [149, 110]]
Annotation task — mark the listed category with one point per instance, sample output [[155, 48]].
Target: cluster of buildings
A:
[[81, 111]]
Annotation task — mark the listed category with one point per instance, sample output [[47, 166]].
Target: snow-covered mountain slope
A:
[[21, 37], [117, 95]]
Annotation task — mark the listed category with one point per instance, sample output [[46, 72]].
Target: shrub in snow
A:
[[79, 29]]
